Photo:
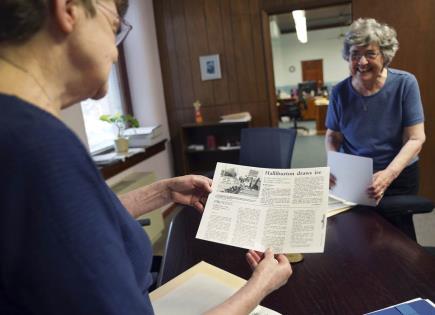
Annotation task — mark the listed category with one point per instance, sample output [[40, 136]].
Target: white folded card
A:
[[354, 176], [197, 290]]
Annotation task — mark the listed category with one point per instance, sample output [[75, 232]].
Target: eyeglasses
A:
[[369, 55], [124, 27]]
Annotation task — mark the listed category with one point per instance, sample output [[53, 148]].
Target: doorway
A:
[[312, 70], [313, 66]]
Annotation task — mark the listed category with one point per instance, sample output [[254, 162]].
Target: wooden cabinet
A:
[[203, 145], [321, 111], [310, 111]]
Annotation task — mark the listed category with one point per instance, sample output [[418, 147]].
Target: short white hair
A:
[[366, 31]]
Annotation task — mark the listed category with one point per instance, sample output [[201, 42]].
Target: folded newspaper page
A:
[[259, 208]]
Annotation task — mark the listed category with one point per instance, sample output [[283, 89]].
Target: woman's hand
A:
[[191, 190], [271, 271], [332, 181], [381, 181]]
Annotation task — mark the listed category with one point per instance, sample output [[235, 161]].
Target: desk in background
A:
[[321, 110], [368, 264]]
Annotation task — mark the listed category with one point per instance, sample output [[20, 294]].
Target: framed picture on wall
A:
[[210, 67]]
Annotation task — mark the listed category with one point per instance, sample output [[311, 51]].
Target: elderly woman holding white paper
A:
[[377, 112]]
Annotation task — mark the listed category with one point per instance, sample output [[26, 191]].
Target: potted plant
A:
[[121, 122]]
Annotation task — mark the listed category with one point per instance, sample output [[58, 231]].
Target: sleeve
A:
[[73, 260], [332, 115], [412, 105]]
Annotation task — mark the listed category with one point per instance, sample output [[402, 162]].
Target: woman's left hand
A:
[[381, 181], [191, 190]]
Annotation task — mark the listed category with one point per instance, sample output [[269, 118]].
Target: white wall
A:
[[322, 44], [73, 118], [145, 79], [146, 87]]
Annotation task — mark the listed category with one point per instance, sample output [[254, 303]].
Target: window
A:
[[100, 134]]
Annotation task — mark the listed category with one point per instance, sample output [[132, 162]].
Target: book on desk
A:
[[416, 306], [111, 157], [144, 136]]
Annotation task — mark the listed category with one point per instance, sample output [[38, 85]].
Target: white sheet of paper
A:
[[195, 296], [354, 175]]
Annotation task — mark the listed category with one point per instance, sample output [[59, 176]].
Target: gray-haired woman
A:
[[68, 245], [377, 111]]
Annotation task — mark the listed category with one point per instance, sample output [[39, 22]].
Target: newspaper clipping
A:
[[260, 208]]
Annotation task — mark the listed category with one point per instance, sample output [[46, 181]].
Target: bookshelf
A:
[[203, 145]]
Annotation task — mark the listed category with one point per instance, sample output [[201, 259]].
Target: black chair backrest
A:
[[291, 108], [182, 229], [267, 147], [294, 111], [399, 209], [404, 204]]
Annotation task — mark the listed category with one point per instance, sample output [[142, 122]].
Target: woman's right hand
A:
[[332, 181], [271, 271]]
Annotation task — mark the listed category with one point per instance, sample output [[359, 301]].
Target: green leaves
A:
[[131, 120], [120, 121]]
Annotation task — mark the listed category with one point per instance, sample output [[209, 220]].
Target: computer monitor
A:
[[307, 87]]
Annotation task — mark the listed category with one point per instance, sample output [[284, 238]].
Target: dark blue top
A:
[[372, 126], [67, 245]]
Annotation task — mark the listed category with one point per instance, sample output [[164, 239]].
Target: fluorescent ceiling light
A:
[[274, 28], [301, 25]]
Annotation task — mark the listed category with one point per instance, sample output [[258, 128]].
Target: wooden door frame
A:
[[269, 8]]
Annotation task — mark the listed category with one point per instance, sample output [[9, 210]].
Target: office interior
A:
[[164, 79]]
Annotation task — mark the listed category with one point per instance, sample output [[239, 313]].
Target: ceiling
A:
[[333, 16]]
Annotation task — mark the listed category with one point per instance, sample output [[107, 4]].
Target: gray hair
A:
[[21, 19], [363, 32]]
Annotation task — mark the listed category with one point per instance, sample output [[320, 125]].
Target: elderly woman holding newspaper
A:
[[68, 245], [377, 112]]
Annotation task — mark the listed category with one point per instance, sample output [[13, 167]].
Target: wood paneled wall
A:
[[187, 29], [415, 26], [282, 6]]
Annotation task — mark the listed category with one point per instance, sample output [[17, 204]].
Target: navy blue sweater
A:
[[67, 245]]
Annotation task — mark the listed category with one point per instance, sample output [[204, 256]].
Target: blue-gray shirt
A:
[[67, 245], [372, 126]]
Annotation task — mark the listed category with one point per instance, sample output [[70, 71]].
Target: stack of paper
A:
[[337, 205], [143, 136], [108, 158], [237, 117], [413, 307], [197, 290]]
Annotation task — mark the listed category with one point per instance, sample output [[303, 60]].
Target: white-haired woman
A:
[[377, 112], [68, 245]]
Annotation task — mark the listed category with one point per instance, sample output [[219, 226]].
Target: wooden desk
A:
[[310, 112], [368, 264], [321, 110]]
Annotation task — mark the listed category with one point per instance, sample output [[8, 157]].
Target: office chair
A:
[[184, 224], [398, 210], [293, 109], [267, 147]]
